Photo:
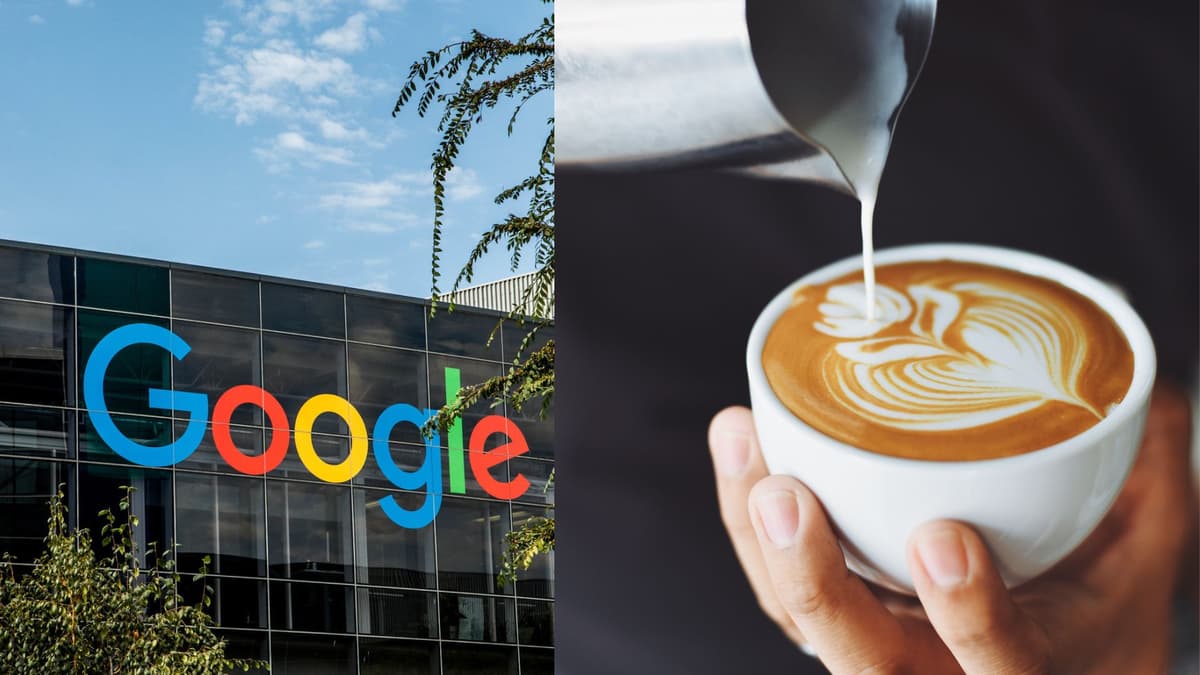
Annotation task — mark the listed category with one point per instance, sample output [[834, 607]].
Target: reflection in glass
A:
[[538, 473], [538, 430], [100, 487], [221, 358], [236, 603], [123, 286], [464, 333], [386, 321], [298, 368], [536, 619], [214, 298], [538, 580], [390, 555], [36, 353], [381, 377], [223, 517], [397, 613], [398, 657], [153, 431], [311, 654], [248, 440], [312, 607], [33, 275], [470, 535], [459, 659], [514, 335], [133, 370], [297, 309], [537, 661], [245, 644], [309, 526], [477, 618], [26, 486], [470, 372], [35, 431]]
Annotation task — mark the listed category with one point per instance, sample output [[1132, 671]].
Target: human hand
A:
[[1104, 609]]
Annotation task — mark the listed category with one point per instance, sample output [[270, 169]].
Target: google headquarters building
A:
[[273, 427]]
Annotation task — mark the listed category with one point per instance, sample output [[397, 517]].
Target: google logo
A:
[[427, 476]]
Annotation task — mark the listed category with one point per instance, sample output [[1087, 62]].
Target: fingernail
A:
[[944, 557], [780, 516], [732, 452]]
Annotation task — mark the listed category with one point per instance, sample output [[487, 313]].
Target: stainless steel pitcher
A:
[[752, 85]]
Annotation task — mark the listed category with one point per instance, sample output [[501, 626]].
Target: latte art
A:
[[956, 353]]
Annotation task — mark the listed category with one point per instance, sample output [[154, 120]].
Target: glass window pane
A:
[[299, 309], [133, 370], [215, 298], [235, 603], [320, 608], [538, 430], [469, 372], [392, 322], [537, 661], [388, 554], [331, 450], [464, 333], [221, 358], [34, 275], [381, 377], [249, 440], [152, 431], [298, 368], [458, 659], [397, 613], [477, 617], [538, 580], [470, 535], [221, 517], [309, 526], [36, 353], [538, 473], [128, 287], [36, 431], [26, 486], [398, 657], [245, 644], [100, 487], [536, 619], [514, 335], [311, 654]]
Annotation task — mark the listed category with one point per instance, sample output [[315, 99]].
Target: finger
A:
[[968, 605], [847, 626], [738, 466]]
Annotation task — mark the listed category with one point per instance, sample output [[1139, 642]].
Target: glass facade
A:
[[314, 576]]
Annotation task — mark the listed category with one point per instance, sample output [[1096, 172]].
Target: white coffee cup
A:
[[1032, 509]]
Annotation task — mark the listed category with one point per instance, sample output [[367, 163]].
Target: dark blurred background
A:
[[1064, 128]]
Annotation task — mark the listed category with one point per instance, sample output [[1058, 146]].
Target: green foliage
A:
[[482, 72], [76, 613]]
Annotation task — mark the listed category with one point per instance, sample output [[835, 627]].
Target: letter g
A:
[[93, 397]]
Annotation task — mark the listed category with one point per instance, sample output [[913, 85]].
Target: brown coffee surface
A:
[[963, 361]]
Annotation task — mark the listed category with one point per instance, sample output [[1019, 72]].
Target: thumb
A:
[[968, 605]]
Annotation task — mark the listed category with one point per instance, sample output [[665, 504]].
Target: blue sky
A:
[[253, 135]]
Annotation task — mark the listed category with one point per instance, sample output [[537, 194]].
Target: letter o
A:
[[248, 394], [309, 412]]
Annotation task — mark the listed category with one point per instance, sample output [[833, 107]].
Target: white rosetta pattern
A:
[[1013, 355]]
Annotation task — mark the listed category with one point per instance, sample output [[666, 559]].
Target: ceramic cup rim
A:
[[1105, 297]]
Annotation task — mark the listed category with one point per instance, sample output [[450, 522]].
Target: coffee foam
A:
[[962, 361]]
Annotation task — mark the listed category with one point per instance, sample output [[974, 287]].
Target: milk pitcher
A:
[[773, 87]]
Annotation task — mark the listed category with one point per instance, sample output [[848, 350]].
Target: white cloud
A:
[[314, 244], [214, 32], [265, 219], [36, 19], [348, 38], [276, 79], [335, 131], [462, 184], [75, 3], [385, 5], [271, 16], [372, 227], [292, 146], [361, 196]]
